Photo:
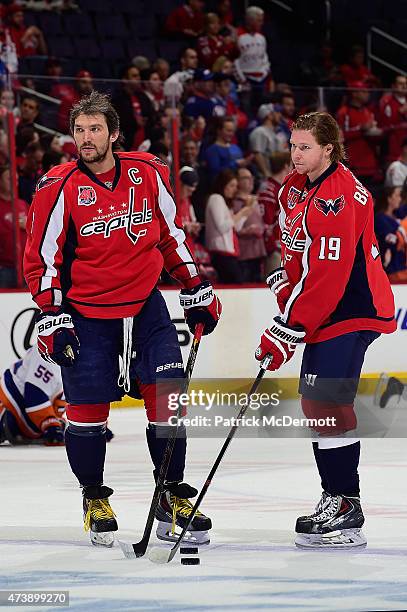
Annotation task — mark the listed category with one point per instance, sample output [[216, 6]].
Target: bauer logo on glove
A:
[[201, 305], [57, 340]]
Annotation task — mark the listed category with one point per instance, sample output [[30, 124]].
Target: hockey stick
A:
[[138, 549], [162, 555]]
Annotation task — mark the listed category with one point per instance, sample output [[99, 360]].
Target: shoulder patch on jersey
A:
[[47, 181], [293, 197], [86, 195], [334, 205]]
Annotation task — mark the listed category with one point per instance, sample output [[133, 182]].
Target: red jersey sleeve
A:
[[47, 225], [328, 258], [178, 260]]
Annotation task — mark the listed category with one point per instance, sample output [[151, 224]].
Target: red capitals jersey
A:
[[393, 118], [101, 248], [269, 206], [329, 251]]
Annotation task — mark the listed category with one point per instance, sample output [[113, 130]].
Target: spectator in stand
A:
[[225, 66], [187, 20], [266, 139], [141, 62], [29, 111], [356, 69], [189, 154], [280, 166], [53, 158], [391, 235], [223, 153], [8, 276], [225, 14], [159, 149], [153, 88], [28, 40], [393, 116], [252, 65], [175, 84], [224, 101], [162, 67], [288, 114], [322, 70], [30, 172], [24, 137], [189, 181], [212, 45], [221, 224], [134, 108], [71, 95], [8, 102], [51, 142], [53, 84], [396, 173], [200, 103], [361, 135], [252, 251]]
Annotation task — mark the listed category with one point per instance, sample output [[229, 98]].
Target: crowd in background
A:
[[234, 125]]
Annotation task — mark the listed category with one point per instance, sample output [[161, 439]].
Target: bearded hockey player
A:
[[100, 231]]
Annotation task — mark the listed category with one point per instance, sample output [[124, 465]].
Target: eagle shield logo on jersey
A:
[[86, 196], [332, 205], [293, 197]]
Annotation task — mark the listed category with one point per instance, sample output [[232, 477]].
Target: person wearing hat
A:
[[265, 139], [200, 103]]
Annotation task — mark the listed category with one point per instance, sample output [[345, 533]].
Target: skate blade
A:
[[347, 538], [102, 538], [164, 532]]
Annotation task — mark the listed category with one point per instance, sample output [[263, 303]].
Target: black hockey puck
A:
[[190, 561], [189, 550]]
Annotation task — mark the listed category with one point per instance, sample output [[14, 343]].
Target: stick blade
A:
[[132, 551]]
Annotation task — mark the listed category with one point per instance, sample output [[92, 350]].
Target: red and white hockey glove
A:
[[56, 338], [200, 305], [279, 341], [280, 286]]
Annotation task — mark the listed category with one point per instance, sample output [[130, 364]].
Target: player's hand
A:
[[53, 432], [201, 305], [280, 285], [280, 342], [56, 338]]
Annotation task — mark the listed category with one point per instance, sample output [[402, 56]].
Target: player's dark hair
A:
[[95, 103], [325, 131]]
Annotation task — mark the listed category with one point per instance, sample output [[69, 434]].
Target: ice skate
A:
[[336, 523], [98, 516], [394, 387], [174, 511]]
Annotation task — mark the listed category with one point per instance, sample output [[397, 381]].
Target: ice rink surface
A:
[[251, 564]]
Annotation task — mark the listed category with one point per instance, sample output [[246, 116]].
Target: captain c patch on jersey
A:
[[86, 196], [331, 205]]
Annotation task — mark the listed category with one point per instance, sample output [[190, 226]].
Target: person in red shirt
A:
[[356, 69], [280, 164], [70, 95], [187, 19], [393, 116], [99, 232], [334, 296], [8, 276], [28, 40], [212, 45], [360, 133]]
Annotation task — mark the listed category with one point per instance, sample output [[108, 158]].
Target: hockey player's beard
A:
[[98, 155]]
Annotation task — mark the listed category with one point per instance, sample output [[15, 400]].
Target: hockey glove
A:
[[201, 305], [53, 432], [280, 286], [280, 342], [57, 340]]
